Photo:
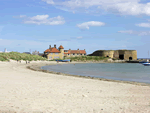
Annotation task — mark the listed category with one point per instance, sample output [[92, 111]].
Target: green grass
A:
[[87, 58], [19, 56]]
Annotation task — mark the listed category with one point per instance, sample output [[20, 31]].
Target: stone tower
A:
[[61, 49]]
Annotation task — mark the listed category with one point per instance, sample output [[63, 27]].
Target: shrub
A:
[[19, 56]]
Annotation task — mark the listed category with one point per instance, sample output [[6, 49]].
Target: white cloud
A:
[[140, 33], [143, 25], [43, 19], [123, 7], [86, 25], [20, 16], [49, 1]]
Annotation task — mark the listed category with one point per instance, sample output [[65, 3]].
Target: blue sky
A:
[[84, 24]]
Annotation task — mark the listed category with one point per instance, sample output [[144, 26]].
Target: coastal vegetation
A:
[[19, 56], [88, 58]]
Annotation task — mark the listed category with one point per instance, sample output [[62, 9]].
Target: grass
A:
[[19, 56], [87, 58], [29, 57]]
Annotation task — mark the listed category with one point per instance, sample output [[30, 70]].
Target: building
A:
[[54, 53], [35, 52], [5, 51], [27, 52], [120, 54], [74, 53]]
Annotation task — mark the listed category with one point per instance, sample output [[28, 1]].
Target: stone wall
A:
[[120, 54]]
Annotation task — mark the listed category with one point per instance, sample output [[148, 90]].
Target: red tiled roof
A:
[[52, 50], [61, 47], [82, 51], [75, 51]]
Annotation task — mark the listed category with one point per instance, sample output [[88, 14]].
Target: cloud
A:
[[49, 1], [43, 19], [123, 7], [140, 33], [86, 25], [20, 16], [143, 25]]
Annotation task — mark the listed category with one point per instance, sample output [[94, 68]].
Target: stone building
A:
[[54, 53], [74, 53], [120, 54]]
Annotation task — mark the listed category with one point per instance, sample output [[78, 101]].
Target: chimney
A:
[[55, 46], [84, 49], [78, 48], [69, 49], [49, 46]]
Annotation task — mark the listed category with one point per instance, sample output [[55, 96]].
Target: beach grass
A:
[[20, 56], [87, 58]]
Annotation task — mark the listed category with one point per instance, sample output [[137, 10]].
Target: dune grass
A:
[[19, 56], [87, 58]]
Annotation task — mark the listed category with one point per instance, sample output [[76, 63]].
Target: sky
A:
[[92, 25]]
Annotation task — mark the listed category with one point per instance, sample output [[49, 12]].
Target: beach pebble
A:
[[84, 96]]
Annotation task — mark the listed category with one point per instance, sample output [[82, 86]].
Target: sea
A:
[[116, 71]]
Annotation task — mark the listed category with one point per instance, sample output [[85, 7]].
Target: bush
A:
[[19, 56], [2, 59], [87, 58]]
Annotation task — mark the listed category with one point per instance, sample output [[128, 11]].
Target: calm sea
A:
[[116, 71]]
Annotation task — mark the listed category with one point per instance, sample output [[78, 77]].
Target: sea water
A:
[[116, 71]]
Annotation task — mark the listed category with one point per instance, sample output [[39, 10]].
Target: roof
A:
[[75, 51], [61, 47], [52, 50]]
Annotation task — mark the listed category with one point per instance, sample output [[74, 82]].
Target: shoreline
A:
[[36, 67]]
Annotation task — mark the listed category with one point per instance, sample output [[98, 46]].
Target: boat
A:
[[66, 60], [141, 62], [59, 60], [146, 64]]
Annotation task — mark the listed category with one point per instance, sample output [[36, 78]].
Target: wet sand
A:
[[28, 91]]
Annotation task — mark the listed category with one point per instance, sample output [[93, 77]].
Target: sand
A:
[[26, 91]]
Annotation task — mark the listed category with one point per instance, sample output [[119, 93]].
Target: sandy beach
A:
[[27, 91]]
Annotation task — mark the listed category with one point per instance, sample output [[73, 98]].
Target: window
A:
[[56, 57], [73, 53], [51, 53], [77, 54], [50, 57], [84, 54], [66, 51], [68, 54], [56, 53], [80, 54]]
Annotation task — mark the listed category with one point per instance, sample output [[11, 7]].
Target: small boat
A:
[[141, 62], [66, 60], [146, 64], [59, 60]]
